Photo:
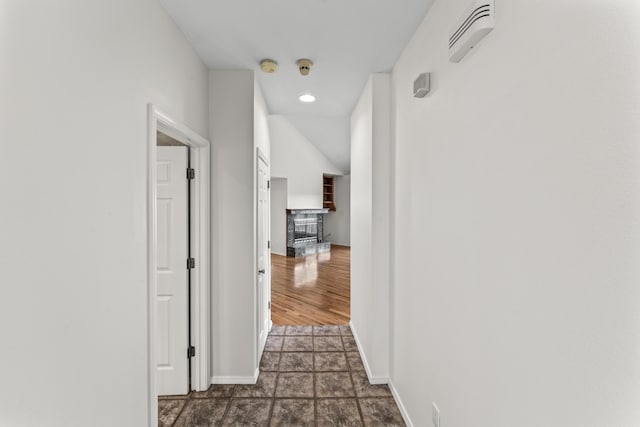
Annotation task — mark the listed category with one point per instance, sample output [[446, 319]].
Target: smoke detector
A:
[[304, 66], [269, 66]]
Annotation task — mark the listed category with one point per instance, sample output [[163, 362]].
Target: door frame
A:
[[260, 155], [200, 244]]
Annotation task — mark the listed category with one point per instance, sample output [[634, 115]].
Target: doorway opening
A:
[[178, 162], [310, 255]]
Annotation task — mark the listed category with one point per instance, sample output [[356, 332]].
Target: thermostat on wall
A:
[[422, 85]]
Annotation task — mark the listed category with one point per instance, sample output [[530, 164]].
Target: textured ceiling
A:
[[347, 40]]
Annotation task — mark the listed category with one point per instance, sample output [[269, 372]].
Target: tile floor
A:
[[309, 376]]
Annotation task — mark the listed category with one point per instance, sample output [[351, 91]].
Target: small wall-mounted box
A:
[[422, 85]]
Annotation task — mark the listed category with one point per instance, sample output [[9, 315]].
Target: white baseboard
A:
[[278, 253], [363, 356], [403, 410], [381, 380], [236, 380]]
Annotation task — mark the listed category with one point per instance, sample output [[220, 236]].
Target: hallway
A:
[[313, 290], [309, 376], [490, 162]]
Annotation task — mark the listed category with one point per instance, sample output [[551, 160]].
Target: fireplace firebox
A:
[[305, 232]]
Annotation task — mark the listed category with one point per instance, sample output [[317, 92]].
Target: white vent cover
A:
[[477, 22]]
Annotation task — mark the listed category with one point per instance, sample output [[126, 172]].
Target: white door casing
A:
[[172, 297], [263, 262], [200, 160]]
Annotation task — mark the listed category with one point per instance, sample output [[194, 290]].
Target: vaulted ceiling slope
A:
[[331, 135], [346, 39]]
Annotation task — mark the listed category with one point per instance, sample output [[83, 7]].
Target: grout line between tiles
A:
[[186, 401], [275, 388], [226, 410], [315, 397], [353, 383]]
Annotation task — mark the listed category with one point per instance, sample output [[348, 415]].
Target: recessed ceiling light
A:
[[307, 97]]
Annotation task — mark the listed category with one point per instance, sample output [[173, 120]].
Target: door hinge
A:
[[191, 173], [269, 184], [191, 352], [269, 305], [191, 263], [268, 244]]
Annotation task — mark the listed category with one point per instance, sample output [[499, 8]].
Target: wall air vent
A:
[[477, 22]]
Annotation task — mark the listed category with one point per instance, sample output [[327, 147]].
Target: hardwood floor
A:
[[314, 290]]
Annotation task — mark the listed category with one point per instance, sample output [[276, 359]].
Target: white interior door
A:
[[264, 291], [173, 276]]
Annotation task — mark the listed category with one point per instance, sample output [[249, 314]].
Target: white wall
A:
[[278, 216], [262, 139], [295, 158], [232, 109], [517, 219], [75, 80], [338, 223], [333, 132], [370, 222]]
